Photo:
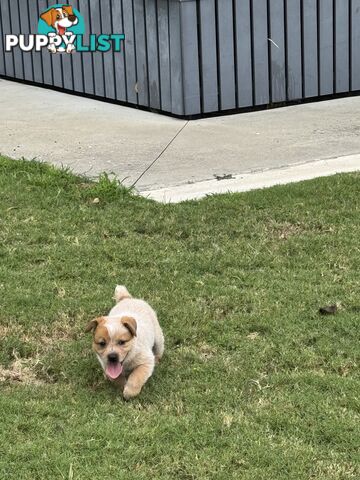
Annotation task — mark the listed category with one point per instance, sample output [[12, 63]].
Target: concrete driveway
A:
[[170, 159]]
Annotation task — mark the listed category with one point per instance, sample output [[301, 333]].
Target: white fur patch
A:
[[101, 361], [114, 325]]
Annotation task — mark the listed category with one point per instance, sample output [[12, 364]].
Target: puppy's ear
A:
[[48, 17], [130, 324], [93, 324], [68, 9]]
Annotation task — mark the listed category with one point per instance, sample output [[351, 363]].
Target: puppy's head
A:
[[113, 339], [60, 18]]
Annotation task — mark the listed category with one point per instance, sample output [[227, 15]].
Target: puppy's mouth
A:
[[61, 30], [113, 370]]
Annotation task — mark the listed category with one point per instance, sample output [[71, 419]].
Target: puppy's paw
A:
[[131, 391], [52, 48], [70, 48]]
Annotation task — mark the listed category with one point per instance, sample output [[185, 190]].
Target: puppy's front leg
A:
[[137, 379]]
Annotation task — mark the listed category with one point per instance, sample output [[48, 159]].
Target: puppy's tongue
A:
[[113, 370]]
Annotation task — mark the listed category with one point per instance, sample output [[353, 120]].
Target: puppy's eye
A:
[[102, 344], [58, 17], [121, 342]]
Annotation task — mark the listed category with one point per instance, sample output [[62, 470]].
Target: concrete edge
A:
[[256, 180]]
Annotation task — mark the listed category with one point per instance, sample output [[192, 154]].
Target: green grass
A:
[[255, 384]]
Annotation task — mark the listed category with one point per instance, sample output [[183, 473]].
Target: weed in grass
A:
[[106, 189]]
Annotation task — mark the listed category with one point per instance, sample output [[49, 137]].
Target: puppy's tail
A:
[[121, 293]]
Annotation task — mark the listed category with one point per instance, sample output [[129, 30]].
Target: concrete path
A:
[[207, 156], [254, 180]]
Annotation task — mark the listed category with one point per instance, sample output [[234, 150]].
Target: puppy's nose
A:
[[72, 18], [113, 357]]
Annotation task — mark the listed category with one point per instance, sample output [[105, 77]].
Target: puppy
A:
[[60, 19], [128, 342]]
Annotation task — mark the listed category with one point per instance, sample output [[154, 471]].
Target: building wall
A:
[[192, 57]]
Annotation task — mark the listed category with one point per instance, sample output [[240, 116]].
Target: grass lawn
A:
[[255, 384]]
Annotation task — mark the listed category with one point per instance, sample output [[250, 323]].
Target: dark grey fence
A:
[[193, 57]]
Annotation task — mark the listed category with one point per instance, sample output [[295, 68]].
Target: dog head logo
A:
[[62, 23], [61, 29], [60, 18]]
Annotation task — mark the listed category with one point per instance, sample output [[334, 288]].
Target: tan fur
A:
[[132, 332], [68, 9], [94, 323], [51, 15], [130, 324]]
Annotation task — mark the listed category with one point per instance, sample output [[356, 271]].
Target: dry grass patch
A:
[[286, 230], [22, 370]]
